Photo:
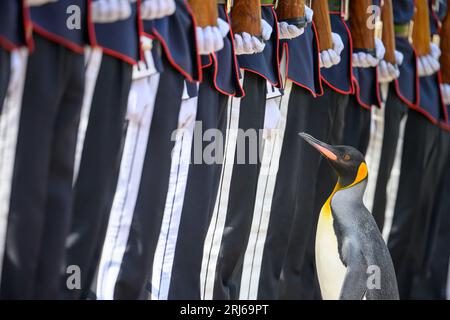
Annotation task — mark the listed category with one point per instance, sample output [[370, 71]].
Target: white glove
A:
[[35, 3], [366, 60], [289, 31], [224, 27], [247, 44], [107, 11], [435, 51], [209, 40], [157, 9], [332, 57], [445, 89], [266, 30], [388, 71], [429, 64], [309, 13]]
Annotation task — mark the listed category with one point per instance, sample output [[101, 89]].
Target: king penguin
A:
[[352, 259]]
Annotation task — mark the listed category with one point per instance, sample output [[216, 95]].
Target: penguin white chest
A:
[[330, 269]]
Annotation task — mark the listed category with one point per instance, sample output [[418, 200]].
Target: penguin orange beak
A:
[[322, 147]]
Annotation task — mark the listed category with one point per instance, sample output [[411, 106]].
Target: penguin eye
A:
[[346, 157]]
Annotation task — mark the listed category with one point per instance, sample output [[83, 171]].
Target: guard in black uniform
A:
[[423, 160], [97, 176], [224, 250], [41, 198], [220, 83], [402, 94], [133, 229], [315, 180]]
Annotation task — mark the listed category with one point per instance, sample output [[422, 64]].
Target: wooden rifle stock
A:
[[292, 12], [388, 36], [205, 12], [363, 37], [246, 17], [421, 34], [445, 48], [322, 22]]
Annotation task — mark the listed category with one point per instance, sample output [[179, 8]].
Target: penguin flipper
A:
[[355, 281]]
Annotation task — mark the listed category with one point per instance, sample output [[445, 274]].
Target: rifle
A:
[[421, 34], [445, 48], [321, 19], [363, 37], [292, 12], [205, 12], [246, 17], [388, 35]]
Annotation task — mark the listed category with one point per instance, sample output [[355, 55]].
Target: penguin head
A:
[[348, 162]]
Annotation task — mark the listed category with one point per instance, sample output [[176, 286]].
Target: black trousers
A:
[[395, 110], [136, 266], [429, 228], [5, 66], [242, 194], [357, 125], [41, 196], [433, 283], [200, 195], [324, 120], [97, 176], [422, 166], [301, 104]]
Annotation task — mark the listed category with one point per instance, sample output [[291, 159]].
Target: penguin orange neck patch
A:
[[360, 176]]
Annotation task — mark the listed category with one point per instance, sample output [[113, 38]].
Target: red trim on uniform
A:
[[312, 91], [57, 39], [90, 25], [350, 41], [436, 20], [236, 65], [417, 106], [148, 35], [199, 60], [377, 89], [401, 97], [117, 55], [445, 126], [216, 71], [357, 95], [286, 52], [209, 64], [121, 56], [160, 38], [140, 28], [279, 83], [426, 114], [316, 39], [7, 45], [27, 27], [441, 98], [410, 104], [157, 36]]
